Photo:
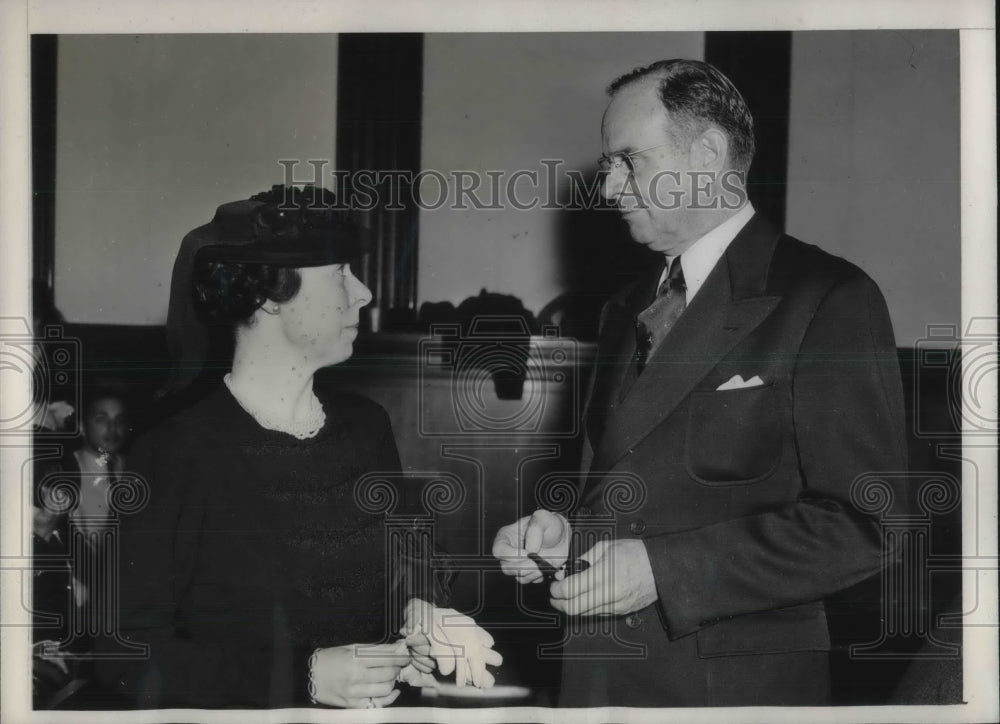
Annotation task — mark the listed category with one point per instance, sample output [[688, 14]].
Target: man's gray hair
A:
[[696, 95]]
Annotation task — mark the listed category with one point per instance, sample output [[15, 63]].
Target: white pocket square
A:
[[738, 383]]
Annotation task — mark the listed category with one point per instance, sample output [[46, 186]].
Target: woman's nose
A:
[[361, 295]]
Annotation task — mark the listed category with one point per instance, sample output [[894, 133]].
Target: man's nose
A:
[[614, 182]]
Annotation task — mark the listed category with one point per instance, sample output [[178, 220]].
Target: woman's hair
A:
[[229, 293]]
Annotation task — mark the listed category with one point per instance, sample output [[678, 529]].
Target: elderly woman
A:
[[251, 573]]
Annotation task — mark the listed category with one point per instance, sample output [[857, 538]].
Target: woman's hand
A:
[[418, 672], [357, 675], [413, 676], [457, 643], [419, 647]]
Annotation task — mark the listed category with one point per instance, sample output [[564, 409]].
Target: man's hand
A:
[[619, 581], [547, 534]]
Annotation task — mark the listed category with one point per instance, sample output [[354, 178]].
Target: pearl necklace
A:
[[299, 429]]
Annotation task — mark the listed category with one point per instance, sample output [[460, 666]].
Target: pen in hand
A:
[[577, 565]]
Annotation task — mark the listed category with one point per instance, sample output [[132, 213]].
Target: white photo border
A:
[[974, 18]]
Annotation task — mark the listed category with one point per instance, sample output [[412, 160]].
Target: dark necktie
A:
[[654, 322], [113, 463]]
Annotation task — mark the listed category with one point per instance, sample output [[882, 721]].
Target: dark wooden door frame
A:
[[44, 55], [759, 64], [379, 113]]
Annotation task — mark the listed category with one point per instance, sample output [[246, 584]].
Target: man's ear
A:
[[710, 151]]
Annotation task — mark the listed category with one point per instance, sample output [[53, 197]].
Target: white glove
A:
[[457, 642]]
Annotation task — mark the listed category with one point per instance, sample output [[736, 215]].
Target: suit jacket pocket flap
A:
[[785, 630]]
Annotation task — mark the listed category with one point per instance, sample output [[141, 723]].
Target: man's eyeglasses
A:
[[616, 160]]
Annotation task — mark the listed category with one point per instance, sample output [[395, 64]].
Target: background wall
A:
[[874, 163], [505, 102], [154, 132]]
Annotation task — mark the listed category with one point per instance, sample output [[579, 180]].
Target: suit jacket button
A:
[[633, 620], [638, 527]]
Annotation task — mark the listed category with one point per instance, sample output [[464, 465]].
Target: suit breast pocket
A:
[[733, 436]]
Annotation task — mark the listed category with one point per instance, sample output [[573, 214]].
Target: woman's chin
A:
[[343, 353]]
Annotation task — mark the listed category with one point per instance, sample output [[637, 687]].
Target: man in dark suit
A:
[[741, 393]]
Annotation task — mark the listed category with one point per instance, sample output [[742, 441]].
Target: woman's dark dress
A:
[[250, 552]]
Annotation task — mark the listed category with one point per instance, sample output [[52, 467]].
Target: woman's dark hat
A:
[[285, 227]]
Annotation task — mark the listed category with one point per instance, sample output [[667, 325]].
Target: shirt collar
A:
[[702, 256]]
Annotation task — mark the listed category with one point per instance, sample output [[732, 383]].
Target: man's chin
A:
[[647, 238], [655, 243], [639, 228]]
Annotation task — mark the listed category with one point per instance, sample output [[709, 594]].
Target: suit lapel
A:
[[616, 351], [729, 306]]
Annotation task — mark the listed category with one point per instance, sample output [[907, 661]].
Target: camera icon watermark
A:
[[407, 507], [603, 507], [963, 363], [49, 364], [502, 380]]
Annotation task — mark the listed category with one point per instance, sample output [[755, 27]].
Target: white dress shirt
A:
[[93, 511], [702, 256]]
